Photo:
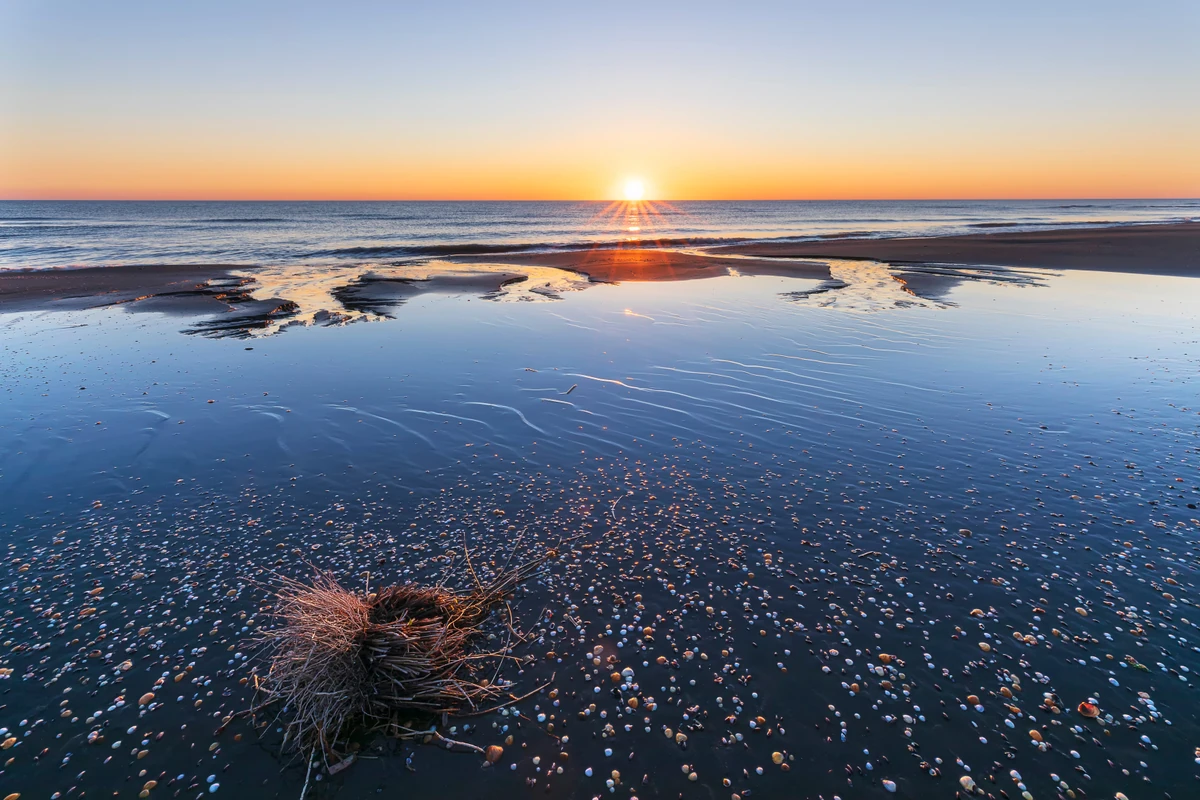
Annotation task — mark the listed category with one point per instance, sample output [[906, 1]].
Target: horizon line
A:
[[583, 200]]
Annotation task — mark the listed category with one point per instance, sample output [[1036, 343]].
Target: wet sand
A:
[[202, 288], [186, 286], [651, 264], [240, 301], [1150, 249], [246, 301]]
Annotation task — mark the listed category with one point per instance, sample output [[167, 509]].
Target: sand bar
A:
[[1171, 249], [186, 286], [611, 265]]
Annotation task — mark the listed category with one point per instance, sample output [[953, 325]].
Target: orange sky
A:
[[203, 169], [179, 103]]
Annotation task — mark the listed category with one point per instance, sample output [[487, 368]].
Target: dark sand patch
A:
[[1172, 249], [202, 290], [648, 264], [211, 291], [162, 287]]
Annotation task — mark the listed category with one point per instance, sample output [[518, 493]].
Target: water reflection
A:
[[865, 286], [253, 302], [865, 480], [296, 295]]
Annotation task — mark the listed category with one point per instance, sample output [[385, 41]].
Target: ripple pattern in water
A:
[[869, 548]]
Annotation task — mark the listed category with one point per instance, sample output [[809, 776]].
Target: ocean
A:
[[43, 235]]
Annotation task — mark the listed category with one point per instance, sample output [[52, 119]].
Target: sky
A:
[[729, 100]]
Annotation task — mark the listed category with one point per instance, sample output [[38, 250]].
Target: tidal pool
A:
[[877, 547]]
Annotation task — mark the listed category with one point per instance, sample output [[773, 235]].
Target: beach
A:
[[555, 401], [1167, 249], [1164, 249], [186, 287], [615, 264]]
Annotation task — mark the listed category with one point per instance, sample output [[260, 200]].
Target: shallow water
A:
[[712, 423]]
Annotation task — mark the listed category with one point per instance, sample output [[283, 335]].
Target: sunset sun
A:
[[634, 190]]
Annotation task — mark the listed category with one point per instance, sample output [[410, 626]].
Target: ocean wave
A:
[[395, 250], [234, 220], [1071, 224], [502, 248], [849, 235]]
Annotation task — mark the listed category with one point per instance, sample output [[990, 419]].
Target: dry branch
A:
[[343, 662]]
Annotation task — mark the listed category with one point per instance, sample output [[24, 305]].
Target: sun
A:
[[635, 190]]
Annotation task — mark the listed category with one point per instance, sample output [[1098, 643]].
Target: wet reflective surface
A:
[[874, 498]]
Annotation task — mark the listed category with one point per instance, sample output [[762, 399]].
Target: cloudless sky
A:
[[228, 100]]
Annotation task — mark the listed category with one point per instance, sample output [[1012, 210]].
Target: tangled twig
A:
[[343, 662]]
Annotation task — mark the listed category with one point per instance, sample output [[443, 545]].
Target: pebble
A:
[[859, 607]]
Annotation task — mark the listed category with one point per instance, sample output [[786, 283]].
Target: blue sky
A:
[[698, 99]]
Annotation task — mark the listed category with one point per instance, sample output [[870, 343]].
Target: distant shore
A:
[[1155, 249]]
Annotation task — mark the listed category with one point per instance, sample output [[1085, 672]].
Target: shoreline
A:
[[194, 288], [1171, 249], [618, 264]]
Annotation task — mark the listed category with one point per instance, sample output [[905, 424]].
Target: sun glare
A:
[[636, 217]]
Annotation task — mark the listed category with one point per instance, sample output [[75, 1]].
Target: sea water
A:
[[38, 235]]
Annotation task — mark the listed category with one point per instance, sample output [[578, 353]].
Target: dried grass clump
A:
[[343, 662]]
